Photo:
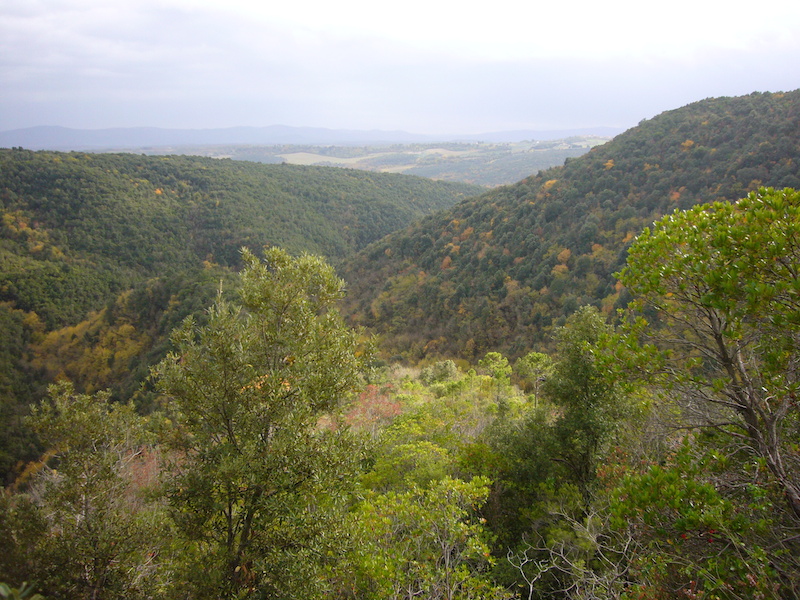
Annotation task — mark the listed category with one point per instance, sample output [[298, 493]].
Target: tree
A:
[[499, 370], [422, 543], [721, 285], [497, 366], [255, 480], [86, 529], [533, 369], [589, 402]]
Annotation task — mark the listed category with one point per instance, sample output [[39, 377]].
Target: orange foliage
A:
[[374, 408]]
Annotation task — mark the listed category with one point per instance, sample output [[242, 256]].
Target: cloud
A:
[[423, 66]]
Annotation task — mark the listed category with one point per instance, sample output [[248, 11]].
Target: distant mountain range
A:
[[65, 139]]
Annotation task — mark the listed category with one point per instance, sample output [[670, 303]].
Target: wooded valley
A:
[[582, 385]]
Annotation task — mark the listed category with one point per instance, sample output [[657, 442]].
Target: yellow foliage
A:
[[549, 184], [91, 352], [607, 304], [564, 255], [16, 222], [32, 468], [609, 164], [33, 321]]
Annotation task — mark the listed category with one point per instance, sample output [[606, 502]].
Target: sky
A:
[[421, 66]]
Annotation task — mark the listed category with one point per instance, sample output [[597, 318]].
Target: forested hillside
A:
[[264, 450], [500, 271], [101, 255], [89, 224], [79, 228]]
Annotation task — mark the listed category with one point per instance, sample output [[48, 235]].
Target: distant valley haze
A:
[[66, 139]]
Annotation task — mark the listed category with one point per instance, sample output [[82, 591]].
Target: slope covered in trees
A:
[[655, 458], [80, 226], [501, 270], [655, 471], [102, 255]]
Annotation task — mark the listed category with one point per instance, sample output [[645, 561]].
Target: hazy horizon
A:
[[426, 67]]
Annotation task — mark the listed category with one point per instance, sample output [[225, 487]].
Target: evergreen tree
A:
[[256, 482]]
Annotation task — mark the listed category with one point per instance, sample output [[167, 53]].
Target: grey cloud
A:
[[173, 67]]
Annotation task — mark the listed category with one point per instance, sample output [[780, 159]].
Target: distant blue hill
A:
[[63, 138]]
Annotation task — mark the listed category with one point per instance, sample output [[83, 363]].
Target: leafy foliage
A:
[[722, 279], [499, 272], [86, 529], [422, 542], [255, 487], [101, 255], [24, 591]]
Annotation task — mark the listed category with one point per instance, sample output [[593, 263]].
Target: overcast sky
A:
[[423, 66]]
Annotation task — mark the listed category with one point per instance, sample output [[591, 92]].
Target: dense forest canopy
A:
[[101, 255], [500, 271], [216, 429], [93, 223]]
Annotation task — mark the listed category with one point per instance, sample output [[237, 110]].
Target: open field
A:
[[486, 164]]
